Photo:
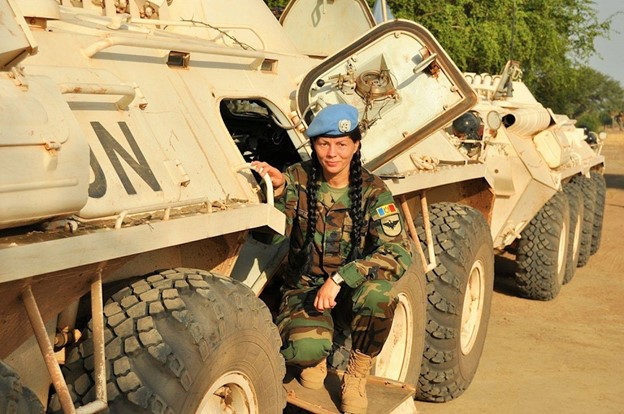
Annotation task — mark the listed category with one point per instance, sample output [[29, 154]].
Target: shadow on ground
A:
[[615, 181], [504, 269]]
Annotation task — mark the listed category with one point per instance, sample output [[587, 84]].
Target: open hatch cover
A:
[[402, 82]]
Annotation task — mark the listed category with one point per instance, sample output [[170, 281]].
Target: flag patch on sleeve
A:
[[383, 211]]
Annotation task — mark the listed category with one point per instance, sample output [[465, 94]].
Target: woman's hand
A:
[[276, 176], [326, 296]]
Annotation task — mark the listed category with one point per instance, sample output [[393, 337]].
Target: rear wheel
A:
[[542, 250], [186, 341], [575, 201], [600, 186], [459, 295], [589, 208], [14, 397]]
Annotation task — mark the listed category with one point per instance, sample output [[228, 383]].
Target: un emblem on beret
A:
[[344, 125]]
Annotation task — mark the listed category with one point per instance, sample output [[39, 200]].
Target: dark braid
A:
[[312, 194], [300, 262], [356, 212]]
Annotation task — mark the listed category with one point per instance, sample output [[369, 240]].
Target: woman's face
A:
[[334, 155]]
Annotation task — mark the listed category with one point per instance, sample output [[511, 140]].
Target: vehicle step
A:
[[384, 396]]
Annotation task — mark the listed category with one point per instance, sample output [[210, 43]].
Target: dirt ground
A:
[[565, 355]]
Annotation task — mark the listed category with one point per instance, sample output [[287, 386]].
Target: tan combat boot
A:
[[313, 377], [354, 400]]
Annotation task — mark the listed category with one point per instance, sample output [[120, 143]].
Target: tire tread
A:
[[134, 319], [456, 230]]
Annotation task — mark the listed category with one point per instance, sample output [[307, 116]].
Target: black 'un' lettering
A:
[[113, 150]]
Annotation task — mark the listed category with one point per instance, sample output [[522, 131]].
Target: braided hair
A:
[[355, 195]]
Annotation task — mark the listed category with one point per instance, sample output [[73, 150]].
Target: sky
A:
[[610, 57]]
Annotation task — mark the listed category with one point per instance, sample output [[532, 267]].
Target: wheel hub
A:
[[561, 253], [232, 393], [393, 360], [473, 307]]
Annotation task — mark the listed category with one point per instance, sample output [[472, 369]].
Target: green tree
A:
[[276, 4]]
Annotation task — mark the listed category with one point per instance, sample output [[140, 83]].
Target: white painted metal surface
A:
[[45, 157], [321, 28], [20, 261], [16, 41]]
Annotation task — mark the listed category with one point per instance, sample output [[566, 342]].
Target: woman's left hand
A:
[[326, 296]]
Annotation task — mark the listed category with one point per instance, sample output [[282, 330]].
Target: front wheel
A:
[[186, 341], [459, 295]]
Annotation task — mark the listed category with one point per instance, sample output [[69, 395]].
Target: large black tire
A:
[[177, 339], [459, 295], [600, 187], [575, 201], [14, 397], [589, 208], [401, 356], [542, 250]]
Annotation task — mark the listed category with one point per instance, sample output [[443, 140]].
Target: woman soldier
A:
[[348, 247]]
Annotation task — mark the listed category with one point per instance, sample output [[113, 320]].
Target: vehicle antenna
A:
[[513, 35]]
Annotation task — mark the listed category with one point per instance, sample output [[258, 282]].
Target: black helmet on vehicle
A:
[[467, 126], [591, 138]]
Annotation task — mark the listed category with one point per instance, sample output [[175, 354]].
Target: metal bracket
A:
[[127, 92], [425, 212], [60, 385], [412, 230]]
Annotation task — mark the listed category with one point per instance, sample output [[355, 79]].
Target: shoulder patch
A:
[[383, 211], [391, 225]]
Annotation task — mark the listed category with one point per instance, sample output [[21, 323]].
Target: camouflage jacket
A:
[[384, 246]]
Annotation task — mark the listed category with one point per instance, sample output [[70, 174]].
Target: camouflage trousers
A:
[[307, 334]]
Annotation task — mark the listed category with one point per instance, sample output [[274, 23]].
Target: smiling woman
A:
[[348, 248]]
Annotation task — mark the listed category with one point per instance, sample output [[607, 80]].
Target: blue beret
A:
[[333, 121]]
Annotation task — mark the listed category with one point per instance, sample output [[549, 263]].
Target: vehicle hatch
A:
[[402, 82]]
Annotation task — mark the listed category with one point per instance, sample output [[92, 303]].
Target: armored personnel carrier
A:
[[133, 273], [534, 158], [541, 188], [132, 268]]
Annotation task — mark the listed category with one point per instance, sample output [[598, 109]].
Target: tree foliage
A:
[[553, 40]]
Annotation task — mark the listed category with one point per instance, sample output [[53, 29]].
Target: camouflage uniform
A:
[[366, 301]]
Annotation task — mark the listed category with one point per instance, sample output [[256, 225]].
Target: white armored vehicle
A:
[[132, 273], [532, 159], [128, 206]]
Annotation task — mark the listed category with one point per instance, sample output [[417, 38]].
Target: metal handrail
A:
[[267, 180], [127, 91], [47, 351], [171, 44]]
